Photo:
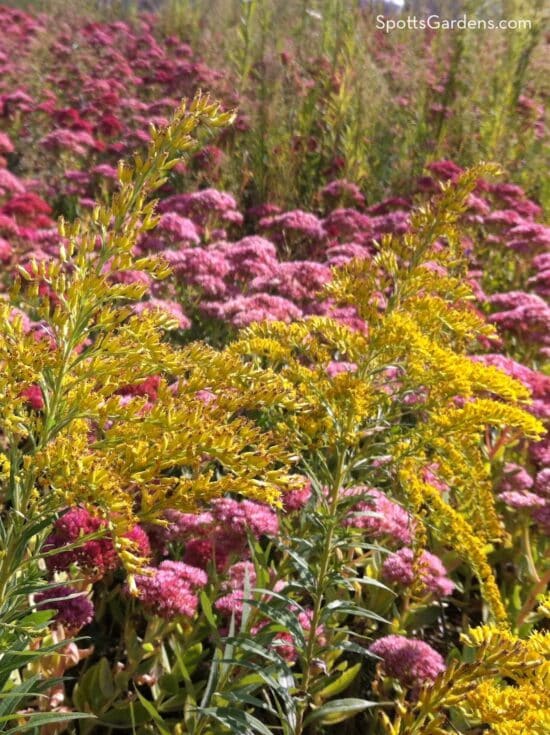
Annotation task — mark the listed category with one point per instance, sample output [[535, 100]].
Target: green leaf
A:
[[151, 710], [105, 679], [44, 718], [206, 607], [349, 608], [237, 720], [341, 683], [337, 711], [37, 619]]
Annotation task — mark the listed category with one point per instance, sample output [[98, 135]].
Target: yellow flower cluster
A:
[[517, 698], [411, 393], [503, 687], [127, 459]]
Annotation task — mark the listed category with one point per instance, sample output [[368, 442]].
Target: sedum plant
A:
[[70, 439]]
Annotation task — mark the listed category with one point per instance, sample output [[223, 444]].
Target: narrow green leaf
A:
[[150, 709], [337, 711], [341, 683]]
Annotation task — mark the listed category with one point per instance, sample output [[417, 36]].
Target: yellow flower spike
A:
[[131, 460], [417, 347]]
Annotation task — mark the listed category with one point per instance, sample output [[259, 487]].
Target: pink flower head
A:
[[294, 225], [33, 397], [140, 542], [9, 183], [515, 478], [6, 146], [249, 258], [541, 516], [95, 557], [147, 388], [390, 205], [244, 310], [297, 281], [238, 573], [199, 267], [411, 661], [540, 452], [178, 229], [73, 609], [337, 368], [521, 500], [348, 224], [78, 142], [231, 604], [262, 210], [396, 223], [400, 569], [219, 549], [105, 170], [379, 516], [295, 500], [542, 482], [445, 169], [339, 255], [204, 207], [238, 516], [342, 192], [169, 589], [541, 262], [131, 277]]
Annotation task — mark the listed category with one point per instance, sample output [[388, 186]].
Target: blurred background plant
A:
[[324, 94]]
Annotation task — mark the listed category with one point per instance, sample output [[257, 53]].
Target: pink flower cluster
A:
[[411, 661], [94, 557], [379, 516], [72, 609], [218, 535], [524, 488], [522, 491], [169, 590], [400, 568], [90, 114], [382, 518]]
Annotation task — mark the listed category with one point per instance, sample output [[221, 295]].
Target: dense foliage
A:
[[274, 389]]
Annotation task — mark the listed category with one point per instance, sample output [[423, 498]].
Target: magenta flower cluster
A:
[[169, 590], [411, 661]]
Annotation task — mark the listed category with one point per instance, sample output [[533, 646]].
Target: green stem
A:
[[320, 588], [527, 550]]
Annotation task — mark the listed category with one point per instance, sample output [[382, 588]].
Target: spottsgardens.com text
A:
[[436, 22]]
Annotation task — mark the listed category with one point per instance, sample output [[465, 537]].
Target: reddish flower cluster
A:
[[72, 609], [94, 557]]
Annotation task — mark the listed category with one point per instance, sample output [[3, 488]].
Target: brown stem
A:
[[541, 585]]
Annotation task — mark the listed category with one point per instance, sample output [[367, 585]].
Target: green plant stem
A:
[[320, 589], [527, 550], [529, 604]]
